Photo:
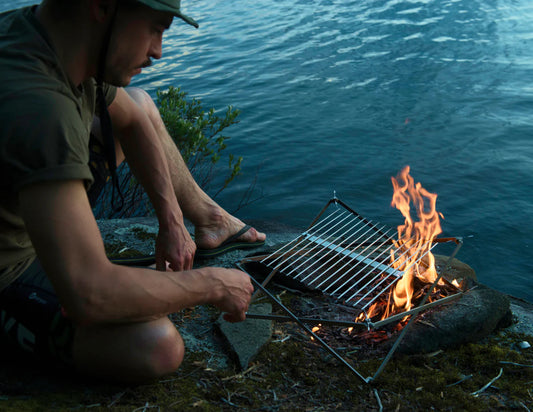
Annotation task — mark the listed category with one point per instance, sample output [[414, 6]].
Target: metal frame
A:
[[311, 240]]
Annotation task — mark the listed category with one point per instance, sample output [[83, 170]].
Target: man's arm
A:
[[67, 240], [146, 158]]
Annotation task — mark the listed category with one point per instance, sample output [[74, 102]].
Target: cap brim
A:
[[187, 19], [169, 8]]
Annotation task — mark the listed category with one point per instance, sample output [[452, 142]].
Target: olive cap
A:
[[171, 6]]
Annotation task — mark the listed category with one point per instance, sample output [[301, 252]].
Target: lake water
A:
[[339, 95]]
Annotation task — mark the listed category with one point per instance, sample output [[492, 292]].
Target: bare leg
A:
[[135, 352], [212, 223]]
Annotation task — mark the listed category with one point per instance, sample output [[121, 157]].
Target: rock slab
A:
[[245, 339]]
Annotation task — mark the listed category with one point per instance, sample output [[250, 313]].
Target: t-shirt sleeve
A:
[[109, 92], [45, 140]]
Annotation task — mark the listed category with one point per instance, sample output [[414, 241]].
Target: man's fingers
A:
[[233, 318], [182, 262]]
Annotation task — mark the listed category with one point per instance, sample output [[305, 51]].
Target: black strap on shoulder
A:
[[106, 126]]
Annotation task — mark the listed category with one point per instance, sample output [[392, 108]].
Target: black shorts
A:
[[31, 317]]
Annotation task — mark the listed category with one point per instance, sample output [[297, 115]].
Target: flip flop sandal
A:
[[229, 244]]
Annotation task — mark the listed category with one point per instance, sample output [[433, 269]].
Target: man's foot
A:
[[228, 235]]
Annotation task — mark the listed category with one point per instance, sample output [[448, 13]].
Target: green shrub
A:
[[197, 134]]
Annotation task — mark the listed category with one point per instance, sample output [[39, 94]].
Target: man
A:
[[60, 296]]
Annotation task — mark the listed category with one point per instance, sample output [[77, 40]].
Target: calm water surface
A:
[[340, 95]]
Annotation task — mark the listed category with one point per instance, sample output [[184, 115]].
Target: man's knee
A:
[[168, 352], [132, 353], [147, 104], [142, 98], [160, 351]]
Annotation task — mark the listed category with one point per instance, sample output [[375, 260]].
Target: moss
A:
[[143, 234], [117, 249], [432, 382]]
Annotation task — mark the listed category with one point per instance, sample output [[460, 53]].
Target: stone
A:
[[458, 270], [245, 339], [473, 316], [522, 317]]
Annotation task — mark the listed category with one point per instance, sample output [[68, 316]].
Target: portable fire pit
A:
[[356, 263]]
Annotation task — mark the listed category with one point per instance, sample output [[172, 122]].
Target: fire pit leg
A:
[[309, 331]]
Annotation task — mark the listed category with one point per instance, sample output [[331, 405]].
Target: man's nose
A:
[[156, 49]]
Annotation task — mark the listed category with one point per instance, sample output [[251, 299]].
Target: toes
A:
[[252, 235]]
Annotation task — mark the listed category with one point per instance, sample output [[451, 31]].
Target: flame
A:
[[412, 253]]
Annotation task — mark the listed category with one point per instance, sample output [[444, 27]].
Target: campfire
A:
[[411, 251], [373, 274]]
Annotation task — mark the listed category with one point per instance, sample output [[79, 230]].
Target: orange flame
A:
[[412, 254]]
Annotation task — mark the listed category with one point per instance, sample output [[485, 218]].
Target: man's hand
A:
[[233, 292], [175, 247]]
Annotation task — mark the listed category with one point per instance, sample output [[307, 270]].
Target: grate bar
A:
[[379, 284], [369, 262], [334, 256], [302, 240], [348, 253], [373, 279], [317, 246]]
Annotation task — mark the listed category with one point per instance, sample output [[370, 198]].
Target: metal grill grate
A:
[[344, 256]]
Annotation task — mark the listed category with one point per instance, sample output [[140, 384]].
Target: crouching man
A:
[[67, 121]]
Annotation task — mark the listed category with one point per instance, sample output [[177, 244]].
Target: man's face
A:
[[136, 39]]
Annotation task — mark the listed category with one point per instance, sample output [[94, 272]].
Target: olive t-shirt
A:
[[45, 123]]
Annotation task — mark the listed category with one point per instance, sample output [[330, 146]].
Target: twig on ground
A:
[[376, 394], [516, 364], [476, 393], [524, 406], [433, 354], [116, 399], [282, 340], [240, 375], [145, 407], [460, 381]]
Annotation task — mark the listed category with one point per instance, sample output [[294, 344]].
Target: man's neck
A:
[[72, 41]]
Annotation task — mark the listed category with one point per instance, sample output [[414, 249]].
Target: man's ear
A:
[[101, 10]]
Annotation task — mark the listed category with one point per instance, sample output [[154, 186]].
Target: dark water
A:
[[340, 95]]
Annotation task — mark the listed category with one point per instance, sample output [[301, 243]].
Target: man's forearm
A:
[[128, 294], [145, 155]]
